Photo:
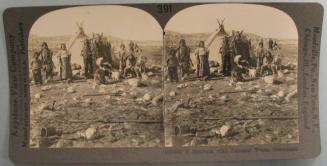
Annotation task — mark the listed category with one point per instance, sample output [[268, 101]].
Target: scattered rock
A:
[[45, 88], [269, 79], [224, 98], [281, 93], [71, 89], [147, 97], [285, 71], [37, 96], [90, 133], [150, 74], [181, 86], [134, 82], [290, 95], [145, 77], [156, 100], [174, 107], [172, 93], [207, 87], [224, 130]]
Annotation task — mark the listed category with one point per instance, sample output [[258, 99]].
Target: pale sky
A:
[[124, 22], [258, 19]]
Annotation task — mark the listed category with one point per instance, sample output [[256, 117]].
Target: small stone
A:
[[269, 79], [181, 86], [261, 122], [156, 100], [45, 88], [290, 95], [172, 93], [37, 96], [224, 98], [150, 74], [281, 94], [134, 82], [147, 97], [285, 71], [207, 87], [90, 133], [224, 130], [70, 90]]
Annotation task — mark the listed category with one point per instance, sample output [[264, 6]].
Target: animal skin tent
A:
[[75, 45], [214, 42]]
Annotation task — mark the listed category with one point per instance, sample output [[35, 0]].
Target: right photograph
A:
[[230, 76]]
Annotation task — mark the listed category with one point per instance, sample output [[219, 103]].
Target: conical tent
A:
[[215, 41], [75, 45]]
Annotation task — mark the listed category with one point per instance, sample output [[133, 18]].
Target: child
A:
[[172, 64], [36, 66]]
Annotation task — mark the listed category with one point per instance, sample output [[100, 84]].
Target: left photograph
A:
[[96, 78]]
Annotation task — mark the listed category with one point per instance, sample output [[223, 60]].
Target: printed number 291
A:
[[164, 8]]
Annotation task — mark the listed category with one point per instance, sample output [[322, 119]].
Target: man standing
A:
[[130, 62], [46, 57], [260, 54], [36, 66], [172, 64], [226, 57], [183, 55], [87, 57]]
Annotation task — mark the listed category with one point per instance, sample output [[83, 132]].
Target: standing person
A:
[[226, 57], [172, 65], [87, 57], [130, 62], [64, 58], [122, 57], [260, 54], [48, 66], [202, 55], [277, 61], [36, 66], [183, 55]]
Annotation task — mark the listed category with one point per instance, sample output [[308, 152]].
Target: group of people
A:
[[237, 54], [98, 62], [179, 59]]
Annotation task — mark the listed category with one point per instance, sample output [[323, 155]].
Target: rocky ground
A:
[[216, 112], [81, 114]]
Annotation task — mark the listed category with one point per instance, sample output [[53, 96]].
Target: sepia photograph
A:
[[96, 78], [230, 76]]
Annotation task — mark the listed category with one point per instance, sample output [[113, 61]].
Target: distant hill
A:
[[172, 37]]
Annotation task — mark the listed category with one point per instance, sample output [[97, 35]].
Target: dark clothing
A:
[[88, 61], [37, 76], [172, 63], [226, 59], [36, 66], [88, 67], [130, 66], [242, 48], [48, 65], [173, 73], [237, 73], [183, 55]]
